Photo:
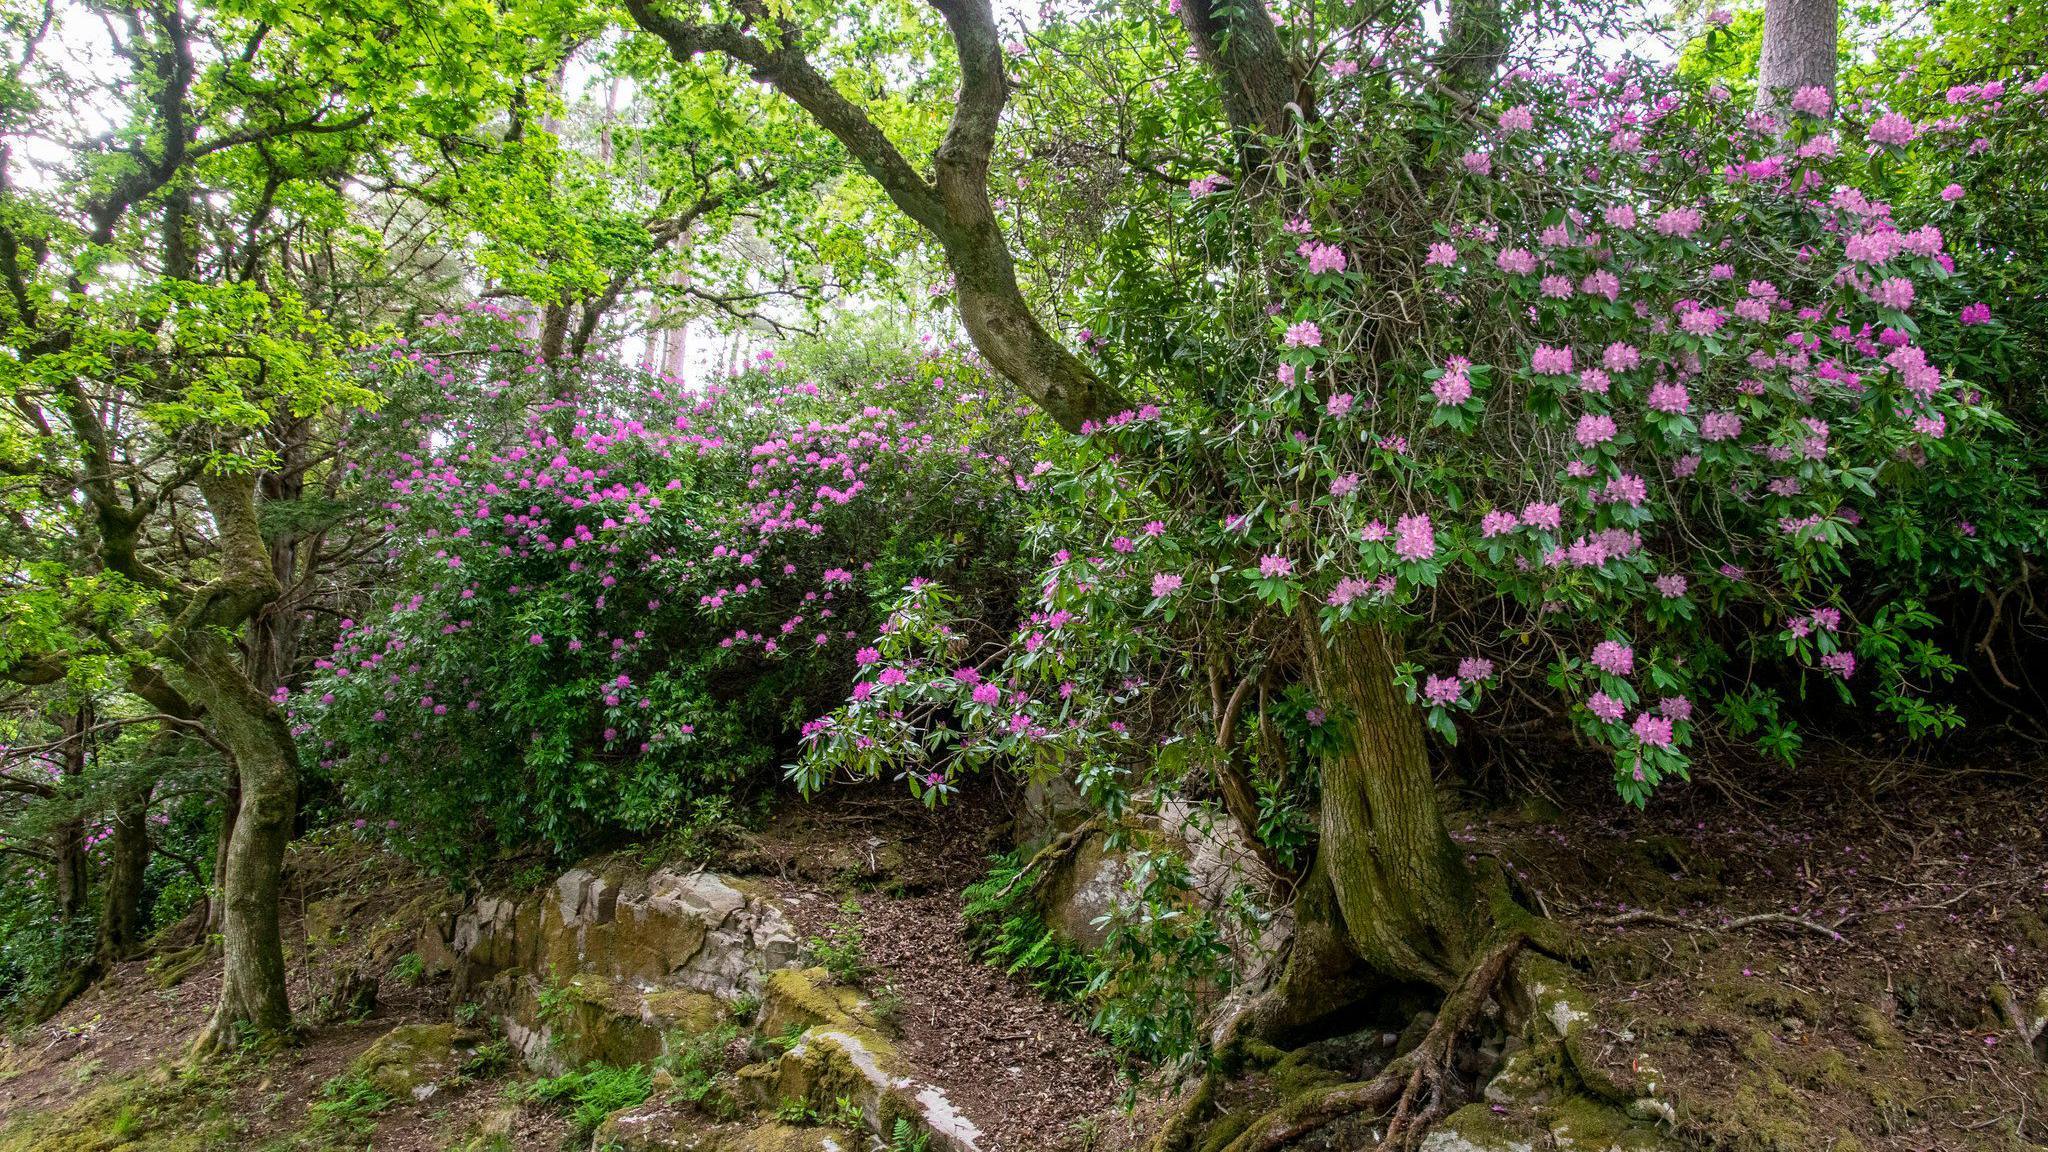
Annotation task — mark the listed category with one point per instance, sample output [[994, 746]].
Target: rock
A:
[[563, 1026], [796, 1000], [671, 929], [412, 1061], [830, 1064]]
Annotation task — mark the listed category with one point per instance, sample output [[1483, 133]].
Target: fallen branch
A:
[[1735, 925], [1062, 846]]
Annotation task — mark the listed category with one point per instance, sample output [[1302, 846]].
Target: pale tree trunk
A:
[[1798, 49]]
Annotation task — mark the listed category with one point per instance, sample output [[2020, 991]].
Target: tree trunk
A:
[[68, 877], [216, 910], [253, 993], [127, 859], [1402, 896], [1798, 49]]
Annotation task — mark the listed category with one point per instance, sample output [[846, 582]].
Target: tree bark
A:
[[127, 860], [1798, 49], [253, 992], [1404, 900], [68, 878]]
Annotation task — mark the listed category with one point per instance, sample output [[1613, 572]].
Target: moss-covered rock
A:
[[795, 999], [860, 1066], [412, 1061]]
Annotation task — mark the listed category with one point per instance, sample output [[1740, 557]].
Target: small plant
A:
[[847, 1117], [488, 1060], [907, 1137], [350, 1104], [797, 1110], [468, 1013], [840, 950], [696, 1063], [593, 1092], [887, 1009], [409, 970]]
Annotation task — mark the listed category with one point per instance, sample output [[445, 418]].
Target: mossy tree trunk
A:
[[120, 934], [253, 993], [68, 877], [1402, 898]]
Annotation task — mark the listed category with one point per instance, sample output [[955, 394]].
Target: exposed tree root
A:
[[1760, 919], [1413, 1084]]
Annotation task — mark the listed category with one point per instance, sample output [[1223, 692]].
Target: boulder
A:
[[413, 1061], [829, 1064], [671, 929], [556, 1027]]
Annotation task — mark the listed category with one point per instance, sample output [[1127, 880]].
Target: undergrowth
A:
[[593, 1092]]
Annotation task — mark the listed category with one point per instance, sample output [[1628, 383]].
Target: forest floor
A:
[[1856, 1014]]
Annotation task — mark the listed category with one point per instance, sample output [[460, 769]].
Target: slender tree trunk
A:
[[253, 992], [1402, 896], [216, 896], [1798, 49], [127, 860], [68, 877]]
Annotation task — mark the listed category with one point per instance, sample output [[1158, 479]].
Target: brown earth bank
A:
[[1825, 971]]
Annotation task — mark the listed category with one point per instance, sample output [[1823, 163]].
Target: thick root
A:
[[1412, 1085]]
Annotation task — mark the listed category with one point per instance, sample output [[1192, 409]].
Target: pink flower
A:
[[1892, 128], [1497, 523], [1720, 426], [1517, 119], [535, 639], [1339, 405], [1669, 398], [1478, 163], [1546, 516], [867, 656], [1414, 538], [1952, 193], [1620, 357], [1812, 100], [1273, 567], [1548, 361], [1518, 261], [1620, 216], [1475, 668], [1654, 731], [1842, 664], [1321, 257], [1594, 428], [1679, 222], [1671, 585], [1165, 584], [1304, 335], [1979, 313], [1555, 287], [893, 676], [1896, 292], [1442, 255], [1452, 389], [987, 694], [1614, 658], [1677, 707], [1606, 707], [1441, 690]]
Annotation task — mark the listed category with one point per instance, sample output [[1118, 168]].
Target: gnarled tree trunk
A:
[[253, 993], [68, 877], [1404, 902]]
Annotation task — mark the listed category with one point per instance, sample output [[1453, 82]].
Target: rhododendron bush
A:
[[617, 596], [1621, 423]]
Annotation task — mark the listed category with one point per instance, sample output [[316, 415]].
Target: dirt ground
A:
[[1818, 979]]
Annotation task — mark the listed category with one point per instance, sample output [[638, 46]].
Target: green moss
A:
[[807, 998], [141, 1113], [408, 1059]]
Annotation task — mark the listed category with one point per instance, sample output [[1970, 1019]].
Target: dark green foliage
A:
[[593, 1092]]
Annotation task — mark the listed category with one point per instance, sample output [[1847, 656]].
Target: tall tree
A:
[[1799, 49]]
